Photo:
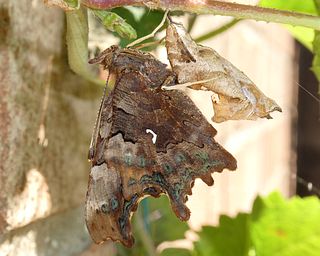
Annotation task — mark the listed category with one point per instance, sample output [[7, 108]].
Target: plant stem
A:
[[191, 22], [216, 31], [238, 11]]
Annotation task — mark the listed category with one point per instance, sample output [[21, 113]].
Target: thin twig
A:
[[158, 42], [138, 41]]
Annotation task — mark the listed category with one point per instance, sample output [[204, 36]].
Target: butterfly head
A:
[[106, 57]]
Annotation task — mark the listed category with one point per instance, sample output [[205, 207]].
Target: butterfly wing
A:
[[150, 142]]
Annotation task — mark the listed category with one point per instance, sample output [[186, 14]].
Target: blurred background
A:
[[47, 113]]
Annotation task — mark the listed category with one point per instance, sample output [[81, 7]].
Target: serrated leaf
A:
[[286, 228], [230, 238], [276, 227]]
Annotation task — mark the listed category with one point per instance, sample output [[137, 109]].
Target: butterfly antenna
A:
[[140, 40], [94, 136]]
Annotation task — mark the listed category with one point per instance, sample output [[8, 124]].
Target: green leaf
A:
[[77, 42], [285, 228], [145, 24], [128, 15], [131, 18], [230, 238], [115, 23], [149, 21], [167, 227], [304, 6], [304, 35], [72, 3], [317, 6], [308, 37], [316, 50], [122, 20], [316, 60], [276, 227], [175, 252]]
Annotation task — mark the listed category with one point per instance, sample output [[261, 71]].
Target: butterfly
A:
[[148, 141]]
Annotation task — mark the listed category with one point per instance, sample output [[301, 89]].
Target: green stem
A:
[[217, 31], [238, 11]]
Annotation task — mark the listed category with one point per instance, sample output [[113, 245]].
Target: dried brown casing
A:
[[236, 96], [149, 141]]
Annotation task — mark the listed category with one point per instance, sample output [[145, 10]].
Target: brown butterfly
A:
[[148, 141]]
